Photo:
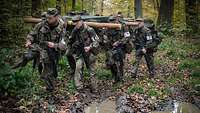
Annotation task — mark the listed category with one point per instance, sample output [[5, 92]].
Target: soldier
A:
[[83, 42], [156, 40], [143, 40], [48, 36], [116, 40]]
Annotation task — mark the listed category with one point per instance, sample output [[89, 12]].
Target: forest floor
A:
[[177, 78]]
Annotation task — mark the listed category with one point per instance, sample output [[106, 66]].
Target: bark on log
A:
[[30, 19]]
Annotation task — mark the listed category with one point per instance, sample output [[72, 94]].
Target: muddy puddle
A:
[[107, 106]]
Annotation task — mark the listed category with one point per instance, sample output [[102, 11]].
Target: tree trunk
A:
[[102, 5], [166, 12], [82, 6], [138, 8], [129, 10], [93, 7], [36, 8], [73, 4], [58, 6], [192, 19], [65, 6]]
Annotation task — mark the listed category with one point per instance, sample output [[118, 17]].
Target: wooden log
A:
[[29, 19]]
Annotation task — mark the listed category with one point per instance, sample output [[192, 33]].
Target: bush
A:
[[15, 82]]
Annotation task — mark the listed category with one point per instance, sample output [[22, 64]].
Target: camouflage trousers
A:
[[149, 58], [114, 62], [79, 66], [49, 74], [71, 60], [72, 63], [49, 60]]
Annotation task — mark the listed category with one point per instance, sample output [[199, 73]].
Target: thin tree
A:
[[192, 19], [58, 5], [36, 8], [138, 8], [165, 13], [73, 4], [102, 6]]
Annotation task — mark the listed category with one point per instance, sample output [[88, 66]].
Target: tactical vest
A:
[[47, 35]]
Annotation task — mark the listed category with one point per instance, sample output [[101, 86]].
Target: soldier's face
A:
[[141, 24], [78, 24], [52, 20]]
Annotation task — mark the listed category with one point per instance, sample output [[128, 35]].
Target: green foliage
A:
[[196, 73], [71, 87], [166, 91], [165, 29], [13, 82], [189, 64], [174, 79], [63, 64], [12, 27], [193, 81], [152, 92], [136, 89], [103, 74]]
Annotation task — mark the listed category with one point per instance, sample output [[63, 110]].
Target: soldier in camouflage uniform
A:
[[156, 39], [48, 38], [83, 42], [143, 41], [116, 41]]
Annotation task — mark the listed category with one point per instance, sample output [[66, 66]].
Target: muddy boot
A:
[[49, 83], [78, 83], [134, 73], [79, 73], [49, 86], [120, 72], [152, 74], [93, 84]]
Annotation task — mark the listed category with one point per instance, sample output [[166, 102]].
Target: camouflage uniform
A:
[[144, 39], [156, 40], [116, 54], [80, 38], [40, 36]]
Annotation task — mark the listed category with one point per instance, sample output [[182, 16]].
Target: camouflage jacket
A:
[[117, 36], [146, 38], [142, 35], [80, 38], [42, 34]]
